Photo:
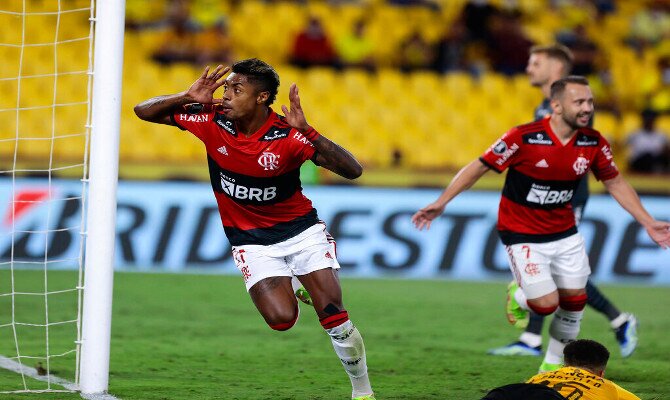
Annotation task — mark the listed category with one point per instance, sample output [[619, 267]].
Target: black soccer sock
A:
[[535, 323], [600, 303]]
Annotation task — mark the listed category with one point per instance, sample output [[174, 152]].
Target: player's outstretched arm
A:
[[330, 155], [621, 190], [463, 180], [159, 109]]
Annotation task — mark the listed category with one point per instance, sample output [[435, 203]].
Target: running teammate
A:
[[546, 65], [254, 156], [546, 159]]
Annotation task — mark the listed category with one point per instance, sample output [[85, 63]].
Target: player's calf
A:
[[564, 327], [349, 347]]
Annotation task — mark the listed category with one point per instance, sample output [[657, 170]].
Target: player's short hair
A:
[[586, 353], [558, 87], [261, 74], [558, 52]]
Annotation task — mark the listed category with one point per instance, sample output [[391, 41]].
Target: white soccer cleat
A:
[[626, 335], [516, 349]]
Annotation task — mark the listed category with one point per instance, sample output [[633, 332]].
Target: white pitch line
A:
[[11, 365]]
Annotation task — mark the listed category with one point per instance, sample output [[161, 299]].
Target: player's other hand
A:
[[425, 216], [294, 115], [202, 90], [659, 231]]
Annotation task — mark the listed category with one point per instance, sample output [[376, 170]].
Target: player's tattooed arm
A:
[[159, 109], [329, 155], [335, 158]]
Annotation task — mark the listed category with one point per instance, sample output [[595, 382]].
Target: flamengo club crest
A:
[[580, 165], [269, 161]]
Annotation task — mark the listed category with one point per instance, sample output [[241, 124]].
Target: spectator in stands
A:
[[214, 45], [476, 15], [142, 15], [604, 8], [575, 12], [312, 47], [179, 40], [431, 4], [602, 85], [509, 45], [415, 53], [584, 50], [659, 87], [649, 26], [449, 50], [649, 148], [355, 49]]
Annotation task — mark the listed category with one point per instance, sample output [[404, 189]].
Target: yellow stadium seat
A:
[[35, 32], [629, 122], [356, 83], [70, 148], [458, 83], [608, 125], [424, 84], [320, 79], [35, 149]]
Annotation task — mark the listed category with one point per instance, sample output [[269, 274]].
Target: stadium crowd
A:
[[478, 38], [434, 65]]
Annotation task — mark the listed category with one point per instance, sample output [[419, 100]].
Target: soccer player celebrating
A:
[[582, 377], [254, 156], [546, 159], [546, 65]]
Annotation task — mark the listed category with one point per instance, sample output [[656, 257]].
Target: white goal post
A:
[[60, 79], [101, 214]]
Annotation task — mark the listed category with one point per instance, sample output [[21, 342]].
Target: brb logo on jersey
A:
[[269, 161], [540, 194], [237, 191], [580, 165]]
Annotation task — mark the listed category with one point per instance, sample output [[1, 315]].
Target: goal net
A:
[[46, 114]]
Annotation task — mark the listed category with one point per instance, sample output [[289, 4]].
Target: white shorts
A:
[[541, 268], [311, 250]]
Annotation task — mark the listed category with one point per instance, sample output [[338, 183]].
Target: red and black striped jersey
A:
[[543, 175], [256, 179]]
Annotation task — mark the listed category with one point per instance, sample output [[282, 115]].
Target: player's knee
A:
[[283, 321], [542, 308], [573, 303]]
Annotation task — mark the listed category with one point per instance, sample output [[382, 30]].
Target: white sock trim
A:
[[531, 339], [620, 320]]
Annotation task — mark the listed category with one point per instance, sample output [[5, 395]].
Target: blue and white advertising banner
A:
[[163, 226]]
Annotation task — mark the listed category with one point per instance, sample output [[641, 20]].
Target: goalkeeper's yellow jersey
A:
[[580, 384]]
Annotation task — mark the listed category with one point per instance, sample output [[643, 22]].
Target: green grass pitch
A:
[[200, 337]]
